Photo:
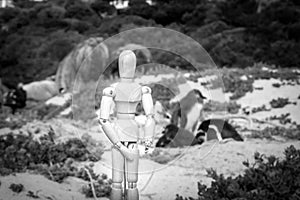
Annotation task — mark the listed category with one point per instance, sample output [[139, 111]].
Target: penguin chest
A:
[[193, 116]]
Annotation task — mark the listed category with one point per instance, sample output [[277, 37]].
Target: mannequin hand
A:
[[148, 144], [127, 153]]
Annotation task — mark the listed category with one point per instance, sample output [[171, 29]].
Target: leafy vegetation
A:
[[283, 118], [267, 178], [16, 187], [21, 152], [260, 109], [7, 120], [240, 81], [163, 156], [100, 183], [55, 161], [269, 132], [280, 102], [36, 36], [214, 106]]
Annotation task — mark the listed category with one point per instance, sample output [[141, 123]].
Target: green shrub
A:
[[78, 11], [267, 178], [162, 156], [8, 120], [21, 152], [102, 184], [8, 13], [16, 187], [53, 160], [259, 109], [269, 132], [214, 106], [283, 118], [279, 102], [113, 25]]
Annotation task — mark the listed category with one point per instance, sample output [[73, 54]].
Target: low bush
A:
[[214, 106], [20, 153], [101, 184], [16, 187], [259, 109], [269, 132], [267, 178], [163, 156], [280, 102], [235, 84], [283, 118], [8, 120]]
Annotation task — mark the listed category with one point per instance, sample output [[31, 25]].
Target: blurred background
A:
[[37, 35], [56, 56]]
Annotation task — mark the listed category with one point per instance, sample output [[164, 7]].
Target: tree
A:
[[140, 8], [103, 8], [23, 3], [78, 10], [137, 3]]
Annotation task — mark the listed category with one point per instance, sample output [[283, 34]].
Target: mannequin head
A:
[[127, 64]]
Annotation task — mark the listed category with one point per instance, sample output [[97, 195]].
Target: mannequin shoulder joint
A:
[[146, 90], [109, 91]]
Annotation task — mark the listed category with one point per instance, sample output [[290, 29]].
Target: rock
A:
[[89, 60], [41, 90], [5, 131], [60, 100], [141, 51], [244, 78], [85, 59]]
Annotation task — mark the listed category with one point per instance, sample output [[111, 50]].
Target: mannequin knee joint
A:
[[116, 185], [132, 185]]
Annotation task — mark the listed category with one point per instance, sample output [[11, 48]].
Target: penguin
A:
[[217, 129], [188, 111], [174, 136], [16, 98]]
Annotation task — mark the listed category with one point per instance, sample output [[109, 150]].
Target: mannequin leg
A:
[[132, 174], [117, 174]]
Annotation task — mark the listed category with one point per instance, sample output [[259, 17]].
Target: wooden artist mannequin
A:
[[124, 132]]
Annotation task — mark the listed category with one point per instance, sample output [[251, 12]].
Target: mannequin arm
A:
[[106, 103], [148, 108]]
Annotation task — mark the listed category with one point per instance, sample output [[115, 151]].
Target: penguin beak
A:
[[201, 96]]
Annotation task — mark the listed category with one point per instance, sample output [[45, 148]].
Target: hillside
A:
[[35, 37]]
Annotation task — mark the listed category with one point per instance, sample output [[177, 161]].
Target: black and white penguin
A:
[[217, 129], [176, 137], [188, 111]]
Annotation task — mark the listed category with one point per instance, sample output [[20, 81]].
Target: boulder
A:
[[83, 62], [41, 90], [140, 51], [89, 59]]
